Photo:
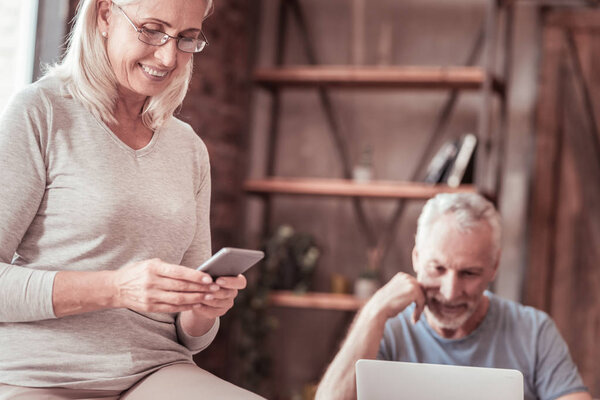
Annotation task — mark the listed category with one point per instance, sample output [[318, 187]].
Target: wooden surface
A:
[[575, 19], [349, 188], [563, 277], [376, 77], [324, 301]]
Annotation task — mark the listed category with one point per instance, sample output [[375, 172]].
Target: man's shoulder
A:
[[514, 313]]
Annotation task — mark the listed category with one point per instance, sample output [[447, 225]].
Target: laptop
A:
[[379, 380]]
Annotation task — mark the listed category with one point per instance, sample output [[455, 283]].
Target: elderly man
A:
[[456, 255]]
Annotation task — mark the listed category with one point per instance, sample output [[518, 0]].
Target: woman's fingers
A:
[[221, 294], [219, 303], [181, 273], [232, 282], [176, 285]]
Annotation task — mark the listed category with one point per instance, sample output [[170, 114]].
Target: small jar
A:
[[364, 288]]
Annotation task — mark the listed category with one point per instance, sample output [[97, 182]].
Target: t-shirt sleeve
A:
[[556, 373], [25, 294], [391, 339]]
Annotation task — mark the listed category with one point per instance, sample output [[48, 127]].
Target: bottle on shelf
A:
[[363, 170]]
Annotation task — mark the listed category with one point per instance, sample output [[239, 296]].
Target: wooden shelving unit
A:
[[409, 77], [322, 301], [477, 73], [349, 188]]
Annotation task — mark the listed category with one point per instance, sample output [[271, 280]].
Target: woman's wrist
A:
[[77, 292], [194, 324]]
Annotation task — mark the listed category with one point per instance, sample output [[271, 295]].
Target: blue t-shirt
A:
[[510, 336]]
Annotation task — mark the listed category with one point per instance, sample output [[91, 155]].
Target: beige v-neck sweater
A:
[[74, 197]]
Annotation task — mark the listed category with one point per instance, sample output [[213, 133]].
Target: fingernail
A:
[[221, 281], [208, 297], [206, 279], [214, 288]]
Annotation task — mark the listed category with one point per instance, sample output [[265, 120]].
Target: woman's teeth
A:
[[153, 72]]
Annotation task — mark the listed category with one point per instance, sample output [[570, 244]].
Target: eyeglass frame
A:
[[166, 36]]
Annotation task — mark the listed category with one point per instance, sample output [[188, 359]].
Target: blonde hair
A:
[[89, 77]]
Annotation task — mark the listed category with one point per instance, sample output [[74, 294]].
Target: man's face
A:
[[455, 267]]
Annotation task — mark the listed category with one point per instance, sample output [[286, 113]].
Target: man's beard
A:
[[434, 311]]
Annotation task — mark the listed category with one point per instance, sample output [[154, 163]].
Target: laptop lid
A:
[[379, 380]]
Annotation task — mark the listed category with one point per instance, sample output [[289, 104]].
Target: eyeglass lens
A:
[[157, 38]]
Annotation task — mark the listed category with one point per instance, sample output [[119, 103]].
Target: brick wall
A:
[[217, 106]]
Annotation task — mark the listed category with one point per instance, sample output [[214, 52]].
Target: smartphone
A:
[[230, 261]]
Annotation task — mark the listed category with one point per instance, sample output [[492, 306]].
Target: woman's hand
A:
[[201, 317], [156, 286], [217, 303]]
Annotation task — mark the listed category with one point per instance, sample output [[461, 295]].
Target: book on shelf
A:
[[453, 163], [462, 167], [441, 162]]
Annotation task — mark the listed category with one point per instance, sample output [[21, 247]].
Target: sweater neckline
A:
[[136, 153]]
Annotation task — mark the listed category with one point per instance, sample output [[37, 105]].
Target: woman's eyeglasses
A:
[[158, 38]]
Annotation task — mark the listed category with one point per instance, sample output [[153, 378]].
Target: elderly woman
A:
[[104, 214]]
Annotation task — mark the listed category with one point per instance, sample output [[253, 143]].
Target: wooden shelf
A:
[[349, 188], [376, 77], [323, 301]]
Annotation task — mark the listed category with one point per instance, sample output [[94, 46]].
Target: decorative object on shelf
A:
[[442, 162], [462, 168], [453, 163], [309, 391], [339, 283], [366, 285], [290, 259], [294, 256], [363, 170], [367, 282]]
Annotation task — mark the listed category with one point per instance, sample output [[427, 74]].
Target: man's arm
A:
[[576, 396], [363, 339]]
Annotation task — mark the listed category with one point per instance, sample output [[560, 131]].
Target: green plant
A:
[[290, 260]]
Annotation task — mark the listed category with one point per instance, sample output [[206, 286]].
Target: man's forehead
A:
[[449, 245]]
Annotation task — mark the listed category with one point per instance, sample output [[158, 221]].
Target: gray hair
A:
[[469, 209], [89, 78]]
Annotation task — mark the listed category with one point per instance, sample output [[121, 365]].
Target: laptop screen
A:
[[379, 380]]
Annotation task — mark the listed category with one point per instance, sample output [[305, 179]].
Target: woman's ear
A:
[[103, 12]]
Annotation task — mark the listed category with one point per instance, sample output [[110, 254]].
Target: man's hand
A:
[[401, 291]]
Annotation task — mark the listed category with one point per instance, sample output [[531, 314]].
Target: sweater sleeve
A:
[[25, 294], [196, 344], [200, 249]]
